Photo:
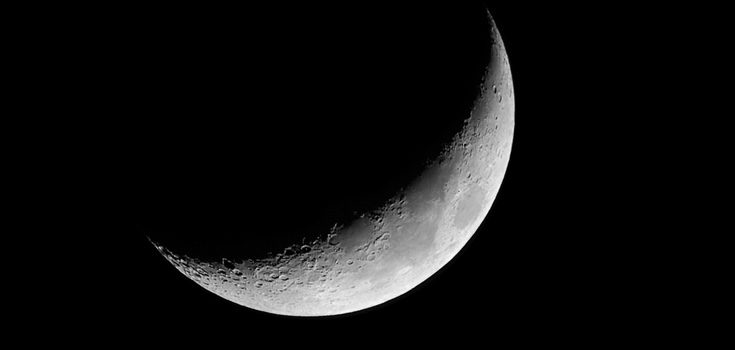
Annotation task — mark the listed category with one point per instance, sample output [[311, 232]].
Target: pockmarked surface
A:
[[390, 250]]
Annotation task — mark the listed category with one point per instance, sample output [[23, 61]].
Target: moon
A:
[[381, 253]]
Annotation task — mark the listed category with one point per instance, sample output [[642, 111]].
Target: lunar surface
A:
[[384, 252]]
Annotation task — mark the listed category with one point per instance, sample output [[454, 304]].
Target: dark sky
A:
[[541, 259]]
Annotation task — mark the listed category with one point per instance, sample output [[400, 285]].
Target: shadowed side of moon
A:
[[364, 253]]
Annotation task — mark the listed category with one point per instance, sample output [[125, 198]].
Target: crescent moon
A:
[[386, 252]]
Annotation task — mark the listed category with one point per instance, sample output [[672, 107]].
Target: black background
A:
[[552, 258]]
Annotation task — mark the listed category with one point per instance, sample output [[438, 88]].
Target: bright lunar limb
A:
[[386, 252]]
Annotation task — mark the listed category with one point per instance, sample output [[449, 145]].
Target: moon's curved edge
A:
[[391, 250]]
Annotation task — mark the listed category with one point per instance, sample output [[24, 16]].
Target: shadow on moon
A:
[[325, 169]]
